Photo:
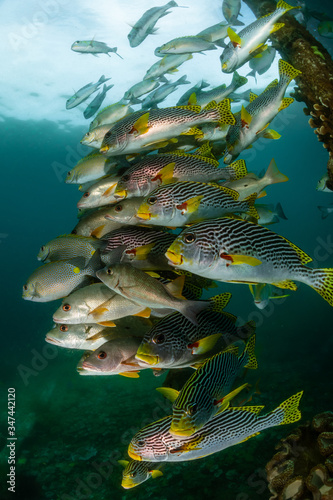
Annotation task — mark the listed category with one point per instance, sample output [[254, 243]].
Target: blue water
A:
[[68, 425]]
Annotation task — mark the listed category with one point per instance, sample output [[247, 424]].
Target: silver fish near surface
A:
[[83, 94], [93, 47], [96, 103]]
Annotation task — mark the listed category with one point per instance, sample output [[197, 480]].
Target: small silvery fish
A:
[[268, 214], [325, 210], [187, 45], [68, 246], [157, 127], [262, 293], [231, 11], [252, 121], [174, 342], [233, 426], [322, 184], [90, 168], [55, 280], [250, 41], [94, 138], [182, 203], [135, 472], [79, 336], [215, 33], [111, 114], [95, 224], [238, 251], [139, 287], [99, 194], [196, 89], [93, 47], [262, 62], [168, 64], [219, 93], [115, 357], [96, 103], [124, 212], [162, 93], [146, 24], [140, 89], [207, 391], [83, 94]]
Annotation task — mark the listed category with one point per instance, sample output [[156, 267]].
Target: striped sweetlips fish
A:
[[154, 442], [250, 41], [143, 247], [156, 128], [252, 121], [175, 342], [238, 251], [135, 472], [207, 391], [153, 170], [184, 203]]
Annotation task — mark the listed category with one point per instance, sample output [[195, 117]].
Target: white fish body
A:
[[84, 92]]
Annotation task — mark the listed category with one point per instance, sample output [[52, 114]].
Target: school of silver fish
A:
[[167, 211]]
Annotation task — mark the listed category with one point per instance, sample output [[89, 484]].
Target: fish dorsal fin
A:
[[253, 96], [165, 175], [124, 463], [176, 287], [251, 409], [230, 316], [205, 150], [246, 117], [168, 393], [192, 100], [156, 473], [231, 192], [231, 349], [204, 345], [194, 108], [305, 258], [220, 301], [271, 85], [140, 126], [234, 38]]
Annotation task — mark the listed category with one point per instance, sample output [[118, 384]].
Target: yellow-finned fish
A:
[[68, 246], [135, 472]]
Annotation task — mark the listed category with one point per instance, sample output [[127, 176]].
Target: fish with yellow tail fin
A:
[[174, 342], [252, 122], [156, 169], [94, 223], [233, 426], [207, 391], [115, 357], [143, 289], [250, 41], [144, 130], [135, 472], [238, 251], [182, 203]]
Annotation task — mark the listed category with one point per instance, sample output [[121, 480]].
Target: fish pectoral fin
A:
[[168, 393], [165, 175], [234, 38], [259, 48], [240, 259], [156, 473], [246, 118], [269, 133], [204, 345], [193, 131], [140, 253], [106, 323], [140, 127], [127, 362], [290, 285], [186, 447], [153, 274], [123, 463], [261, 195], [98, 311], [130, 374], [109, 190], [190, 206], [145, 313]]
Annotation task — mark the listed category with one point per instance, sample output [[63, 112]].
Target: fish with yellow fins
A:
[[237, 251], [252, 122], [250, 41], [135, 472], [233, 426]]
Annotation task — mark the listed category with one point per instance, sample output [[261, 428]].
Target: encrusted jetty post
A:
[[315, 85]]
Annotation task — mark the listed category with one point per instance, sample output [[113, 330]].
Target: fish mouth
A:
[[147, 358], [143, 215], [88, 366], [132, 453], [121, 194], [126, 484], [174, 258], [183, 432], [224, 66], [52, 340], [104, 149]]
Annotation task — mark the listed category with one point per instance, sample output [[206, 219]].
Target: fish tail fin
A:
[[279, 211], [273, 175], [238, 80], [103, 79], [219, 302], [290, 410], [252, 73], [324, 212], [287, 71], [285, 6], [250, 200], [182, 80], [321, 280], [191, 308], [249, 354]]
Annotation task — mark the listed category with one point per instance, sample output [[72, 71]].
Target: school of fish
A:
[[168, 209]]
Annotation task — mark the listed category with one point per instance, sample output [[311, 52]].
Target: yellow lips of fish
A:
[[176, 259], [132, 453], [176, 430], [144, 354], [121, 193], [144, 212], [104, 149], [224, 66]]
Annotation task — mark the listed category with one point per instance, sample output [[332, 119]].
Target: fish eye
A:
[[159, 339], [102, 355], [25, 287], [66, 307], [74, 231], [133, 474], [63, 328], [118, 208], [125, 177], [189, 238], [69, 173], [107, 134], [192, 409], [152, 200], [42, 248], [141, 443], [86, 194], [109, 271]]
